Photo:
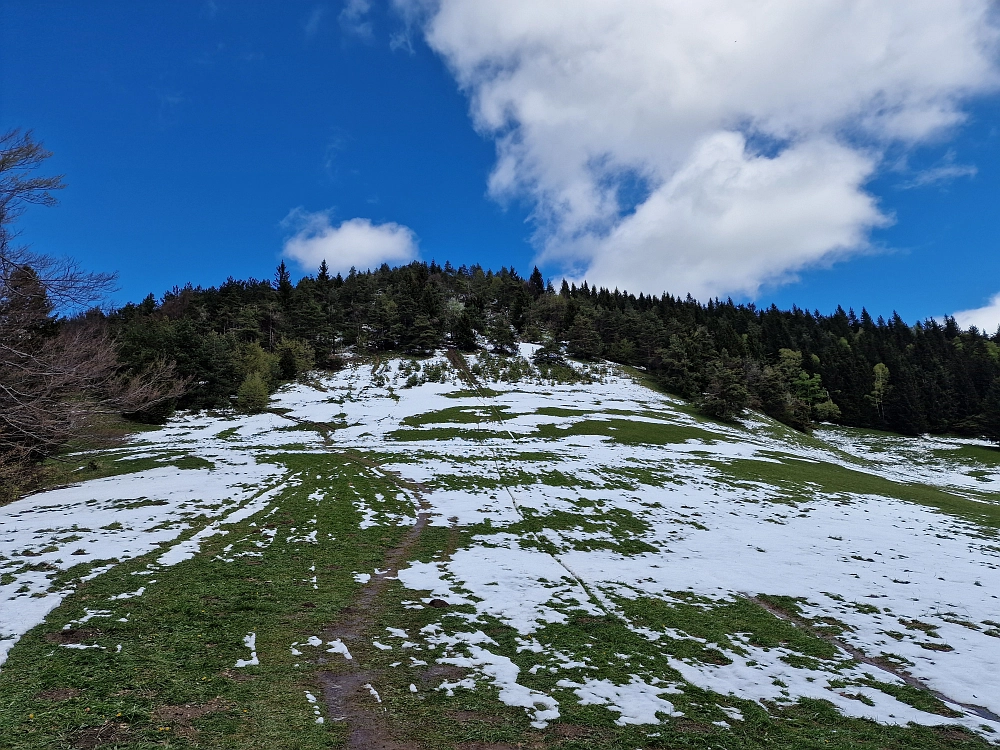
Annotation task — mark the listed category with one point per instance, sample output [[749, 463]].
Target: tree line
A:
[[799, 367], [66, 364]]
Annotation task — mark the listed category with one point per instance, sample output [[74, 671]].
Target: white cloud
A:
[[938, 175], [354, 243], [986, 318], [354, 18], [312, 24], [741, 119]]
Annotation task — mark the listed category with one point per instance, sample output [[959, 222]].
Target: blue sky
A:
[[198, 138]]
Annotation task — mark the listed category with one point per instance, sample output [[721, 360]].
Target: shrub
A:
[[252, 396]]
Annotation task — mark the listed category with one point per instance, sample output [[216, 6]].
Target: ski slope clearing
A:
[[473, 551]]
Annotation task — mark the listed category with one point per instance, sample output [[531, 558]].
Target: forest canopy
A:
[[798, 366]]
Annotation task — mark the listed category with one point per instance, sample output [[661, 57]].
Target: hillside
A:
[[472, 553]]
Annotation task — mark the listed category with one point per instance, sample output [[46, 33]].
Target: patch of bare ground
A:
[[236, 676], [954, 734], [690, 726], [73, 635], [348, 698], [179, 717], [58, 694], [572, 731], [110, 733]]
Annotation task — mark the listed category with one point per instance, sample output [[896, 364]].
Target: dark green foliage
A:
[[797, 366], [500, 334], [252, 394], [582, 339], [990, 419], [726, 395], [463, 333]]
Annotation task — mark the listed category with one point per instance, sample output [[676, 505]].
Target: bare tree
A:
[[57, 374]]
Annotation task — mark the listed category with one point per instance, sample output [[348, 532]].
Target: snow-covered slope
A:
[[601, 499]]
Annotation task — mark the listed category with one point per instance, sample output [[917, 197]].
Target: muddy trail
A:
[[350, 693]]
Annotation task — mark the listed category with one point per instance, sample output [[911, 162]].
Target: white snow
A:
[[337, 647], [638, 702], [250, 641], [685, 512]]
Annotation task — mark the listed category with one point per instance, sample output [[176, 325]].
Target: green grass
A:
[[184, 635], [797, 480], [628, 432], [457, 415]]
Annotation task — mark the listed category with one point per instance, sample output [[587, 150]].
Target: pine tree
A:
[[463, 335], [990, 417], [582, 340], [536, 283], [726, 395], [283, 284]]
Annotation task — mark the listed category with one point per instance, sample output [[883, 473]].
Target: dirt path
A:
[[350, 694]]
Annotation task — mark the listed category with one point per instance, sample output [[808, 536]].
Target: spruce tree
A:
[[990, 417]]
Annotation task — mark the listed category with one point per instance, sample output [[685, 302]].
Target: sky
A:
[[832, 152]]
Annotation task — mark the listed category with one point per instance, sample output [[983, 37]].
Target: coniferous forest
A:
[[239, 340]]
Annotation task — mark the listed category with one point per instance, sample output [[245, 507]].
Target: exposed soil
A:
[[693, 727], [179, 718], [73, 635], [572, 731], [110, 733], [58, 694]]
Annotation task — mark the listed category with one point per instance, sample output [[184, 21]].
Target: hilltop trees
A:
[[800, 367]]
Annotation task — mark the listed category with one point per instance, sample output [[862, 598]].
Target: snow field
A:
[[572, 516]]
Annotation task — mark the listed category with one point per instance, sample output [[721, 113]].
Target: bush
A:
[[294, 356], [826, 411], [251, 358], [252, 396]]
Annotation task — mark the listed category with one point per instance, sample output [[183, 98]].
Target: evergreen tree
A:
[[463, 335], [536, 283], [726, 395], [582, 339], [500, 334], [990, 418], [283, 284], [252, 395]]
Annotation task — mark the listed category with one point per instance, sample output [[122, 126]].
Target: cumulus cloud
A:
[[986, 318], [355, 243], [750, 128]]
